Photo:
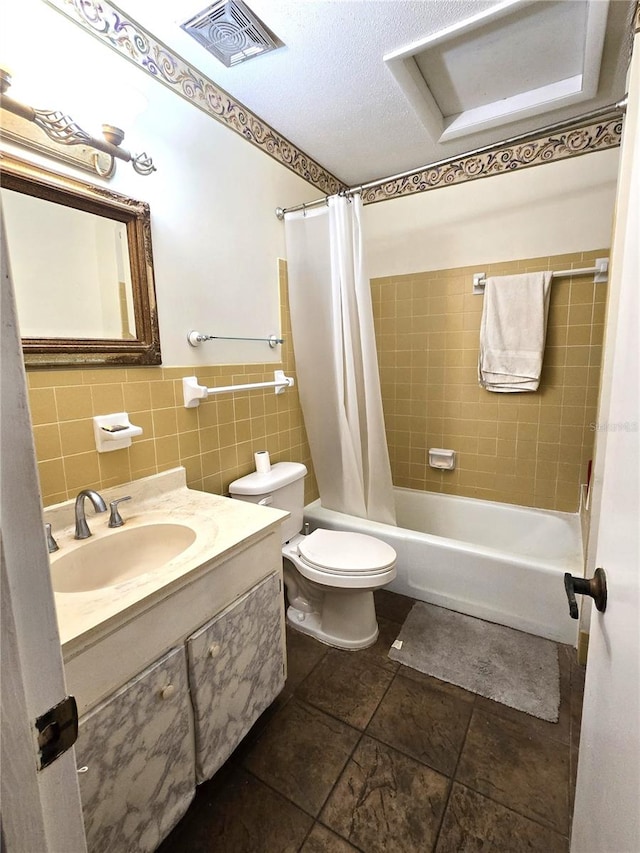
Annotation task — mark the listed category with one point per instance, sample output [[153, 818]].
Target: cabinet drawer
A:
[[236, 669], [138, 748]]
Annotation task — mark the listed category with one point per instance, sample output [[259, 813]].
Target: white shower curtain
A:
[[336, 360]]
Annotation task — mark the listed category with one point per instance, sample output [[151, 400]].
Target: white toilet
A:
[[329, 575]]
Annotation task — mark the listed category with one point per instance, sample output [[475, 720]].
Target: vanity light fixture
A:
[[64, 130]]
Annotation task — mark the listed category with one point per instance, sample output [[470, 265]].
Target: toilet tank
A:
[[281, 488]]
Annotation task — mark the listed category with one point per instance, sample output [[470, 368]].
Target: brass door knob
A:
[[596, 587]]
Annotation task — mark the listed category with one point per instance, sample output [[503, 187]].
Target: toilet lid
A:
[[338, 551]]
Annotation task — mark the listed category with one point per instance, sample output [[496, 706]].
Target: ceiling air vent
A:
[[231, 32]]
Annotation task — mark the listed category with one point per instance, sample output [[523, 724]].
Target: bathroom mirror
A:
[[82, 270]]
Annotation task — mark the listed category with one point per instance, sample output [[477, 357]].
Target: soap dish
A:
[[114, 432], [441, 458]]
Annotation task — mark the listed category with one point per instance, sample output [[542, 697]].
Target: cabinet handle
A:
[[84, 769], [167, 691], [214, 649]]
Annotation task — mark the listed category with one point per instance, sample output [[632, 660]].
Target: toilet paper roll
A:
[[263, 463]]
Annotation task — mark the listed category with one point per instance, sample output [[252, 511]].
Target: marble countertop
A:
[[222, 526]]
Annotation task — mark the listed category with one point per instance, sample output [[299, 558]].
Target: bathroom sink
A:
[[118, 556]]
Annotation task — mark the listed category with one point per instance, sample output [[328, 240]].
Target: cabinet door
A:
[[236, 669], [138, 749]]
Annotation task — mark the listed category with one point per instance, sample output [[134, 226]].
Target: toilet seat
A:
[[339, 552], [343, 560]]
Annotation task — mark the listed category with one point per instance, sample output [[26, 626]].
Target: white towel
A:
[[513, 331]]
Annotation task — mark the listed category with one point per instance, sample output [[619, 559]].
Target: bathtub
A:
[[499, 562]]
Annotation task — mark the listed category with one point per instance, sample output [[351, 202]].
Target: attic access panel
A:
[[518, 59]]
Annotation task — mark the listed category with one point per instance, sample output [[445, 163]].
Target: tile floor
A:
[[361, 754]]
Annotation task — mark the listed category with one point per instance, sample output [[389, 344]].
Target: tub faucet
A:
[[82, 528]]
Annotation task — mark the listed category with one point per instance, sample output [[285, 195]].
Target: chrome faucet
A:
[[82, 528]]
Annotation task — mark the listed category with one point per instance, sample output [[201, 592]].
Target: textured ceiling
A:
[[330, 92]]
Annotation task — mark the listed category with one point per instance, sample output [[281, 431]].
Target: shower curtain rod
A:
[[578, 121]]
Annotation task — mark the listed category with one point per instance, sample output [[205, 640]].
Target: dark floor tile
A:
[[577, 699], [301, 754], [473, 823], [322, 840], [386, 801], [422, 721], [303, 654], [521, 770], [392, 606], [378, 653], [578, 672], [573, 775], [561, 730], [346, 690], [241, 816]]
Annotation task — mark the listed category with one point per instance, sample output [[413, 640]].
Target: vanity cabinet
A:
[[149, 732], [236, 669], [138, 750]]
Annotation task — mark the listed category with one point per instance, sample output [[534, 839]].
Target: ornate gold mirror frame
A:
[[142, 349]]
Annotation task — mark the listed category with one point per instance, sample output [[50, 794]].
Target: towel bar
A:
[[600, 274], [196, 338], [193, 392]]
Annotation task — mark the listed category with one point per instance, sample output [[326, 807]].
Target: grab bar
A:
[[193, 392]]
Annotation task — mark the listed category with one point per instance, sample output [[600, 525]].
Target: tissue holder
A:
[[107, 439]]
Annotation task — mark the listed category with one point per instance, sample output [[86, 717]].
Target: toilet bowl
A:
[[329, 575]]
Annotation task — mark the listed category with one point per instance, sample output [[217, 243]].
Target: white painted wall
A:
[[546, 210], [215, 237]]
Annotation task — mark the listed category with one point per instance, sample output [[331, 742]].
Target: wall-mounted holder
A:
[[196, 338], [193, 392], [441, 458], [114, 432], [600, 274]]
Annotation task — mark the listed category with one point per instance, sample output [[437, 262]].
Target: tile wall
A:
[[214, 442], [530, 449]]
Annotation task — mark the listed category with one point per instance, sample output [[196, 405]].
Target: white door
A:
[[607, 808], [40, 809]]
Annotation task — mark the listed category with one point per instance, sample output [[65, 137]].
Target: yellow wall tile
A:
[[47, 441], [142, 455], [162, 394], [114, 467], [107, 399], [529, 449], [77, 437], [215, 442], [517, 448], [165, 422], [82, 471], [137, 396], [52, 480], [42, 403], [74, 402], [189, 443]]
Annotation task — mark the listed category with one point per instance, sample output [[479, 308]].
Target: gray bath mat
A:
[[505, 665]]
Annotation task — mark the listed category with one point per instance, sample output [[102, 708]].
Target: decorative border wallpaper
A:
[[128, 38], [584, 140], [108, 23]]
